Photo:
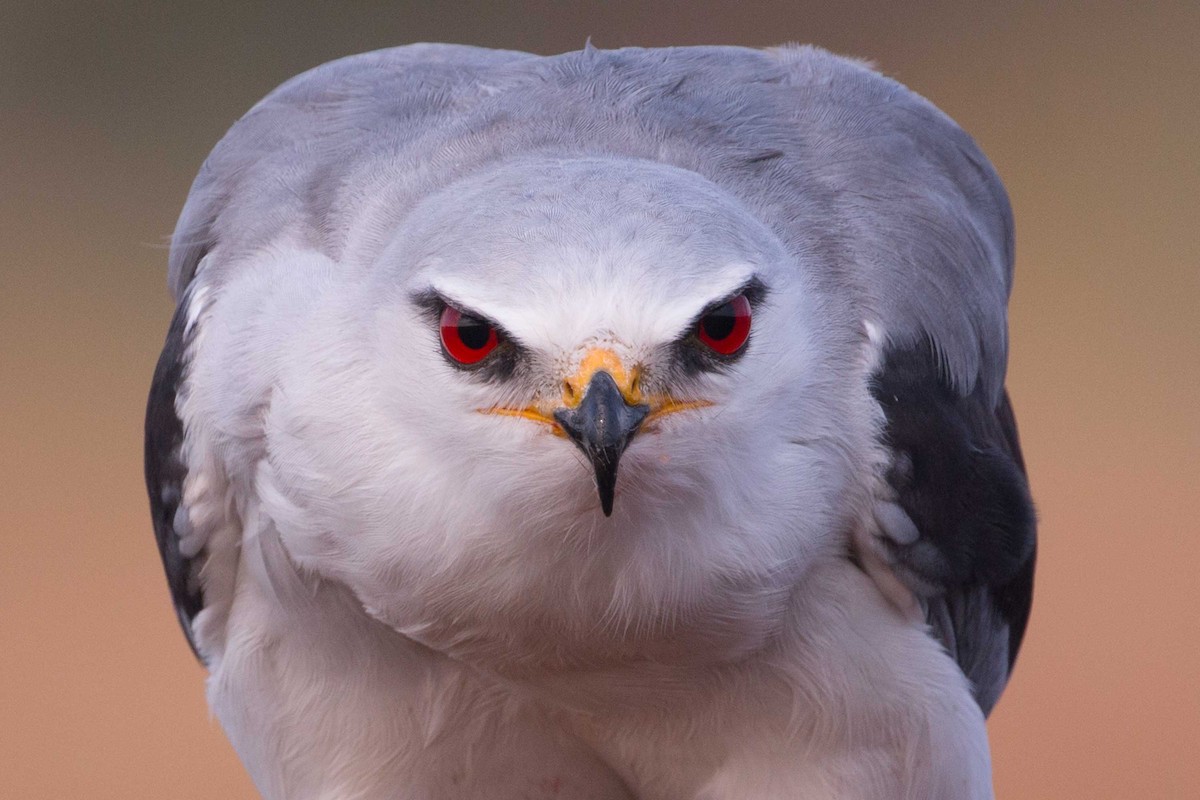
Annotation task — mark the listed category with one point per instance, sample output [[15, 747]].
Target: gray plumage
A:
[[292, 559], [834, 156]]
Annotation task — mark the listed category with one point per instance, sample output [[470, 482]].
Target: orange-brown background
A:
[[1091, 116]]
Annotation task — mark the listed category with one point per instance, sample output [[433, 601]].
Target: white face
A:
[[460, 513]]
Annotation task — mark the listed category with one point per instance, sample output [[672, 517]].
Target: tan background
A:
[[1090, 115]]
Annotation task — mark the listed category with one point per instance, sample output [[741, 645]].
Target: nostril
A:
[[568, 391]]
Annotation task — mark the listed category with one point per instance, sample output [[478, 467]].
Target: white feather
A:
[[407, 598], [421, 587]]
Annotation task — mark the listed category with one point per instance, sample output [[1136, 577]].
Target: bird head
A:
[[592, 400]]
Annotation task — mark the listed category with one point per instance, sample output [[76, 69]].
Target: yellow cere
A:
[[595, 360], [627, 380]]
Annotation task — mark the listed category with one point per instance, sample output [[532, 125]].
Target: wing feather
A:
[[958, 474], [165, 476]]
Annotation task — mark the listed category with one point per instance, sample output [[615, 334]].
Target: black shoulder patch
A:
[[165, 472], [959, 475]]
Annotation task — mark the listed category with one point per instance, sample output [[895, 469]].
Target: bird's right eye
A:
[[467, 338], [726, 328]]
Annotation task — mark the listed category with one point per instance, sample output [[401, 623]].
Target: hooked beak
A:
[[602, 407], [601, 425]]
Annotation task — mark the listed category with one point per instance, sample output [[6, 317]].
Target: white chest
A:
[[322, 702]]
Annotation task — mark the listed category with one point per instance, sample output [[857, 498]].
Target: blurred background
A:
[[1091, 115]]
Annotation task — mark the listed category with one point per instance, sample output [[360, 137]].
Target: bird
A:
[[612, 424]]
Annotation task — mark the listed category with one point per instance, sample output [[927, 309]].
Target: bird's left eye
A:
[[467, 338], [726, 328]]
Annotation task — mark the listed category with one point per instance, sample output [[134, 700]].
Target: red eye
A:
[[727, 327], [468, 339]]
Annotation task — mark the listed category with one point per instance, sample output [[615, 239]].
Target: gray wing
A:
[[926, 219], [930, 227]]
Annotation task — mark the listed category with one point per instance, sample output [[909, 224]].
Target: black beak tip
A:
[[605, 466], [601, 426], [606, 504]]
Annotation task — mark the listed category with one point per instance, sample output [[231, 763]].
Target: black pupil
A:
[[474, 332], [718, 323]]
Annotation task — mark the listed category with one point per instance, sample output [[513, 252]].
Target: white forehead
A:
[[560, 250]]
